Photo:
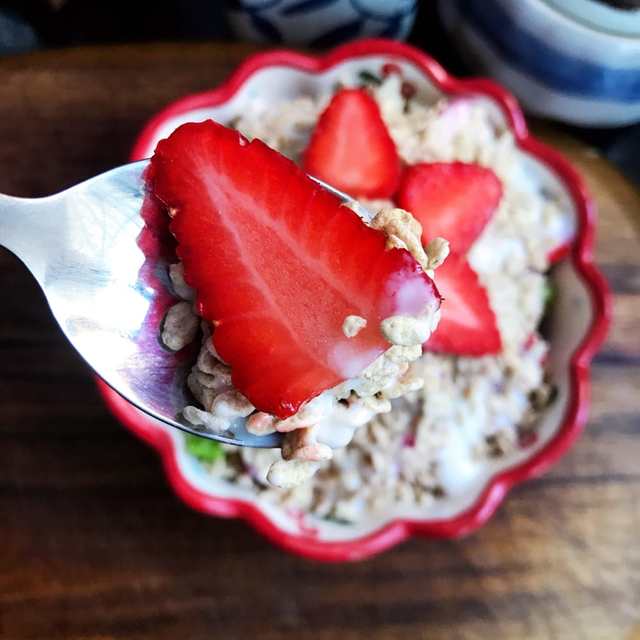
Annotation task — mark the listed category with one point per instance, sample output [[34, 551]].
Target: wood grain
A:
[[93, 544]]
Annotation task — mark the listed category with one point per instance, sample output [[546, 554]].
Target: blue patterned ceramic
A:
[[320, 23], [16, 35], [573, 60]]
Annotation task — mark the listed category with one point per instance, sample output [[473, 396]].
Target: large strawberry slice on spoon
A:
[[278, 263], [468, 324], [351, 149], [453, 200]]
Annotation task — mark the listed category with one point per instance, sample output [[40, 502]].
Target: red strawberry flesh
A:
[[452, 200], [467, 322], [277, 264], [351, 148]]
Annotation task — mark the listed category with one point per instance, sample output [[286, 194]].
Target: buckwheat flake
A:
[[231, 405], [406, 331], [403, 232], [301, 444], [180, 326], [197, 417], [180, 287], [287, 474], [352, 326], [437, 251], [261, 424]]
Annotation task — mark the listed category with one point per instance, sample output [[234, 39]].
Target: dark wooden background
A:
[[93, 544]]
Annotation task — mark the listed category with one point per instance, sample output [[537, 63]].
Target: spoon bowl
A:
[[108, 294]]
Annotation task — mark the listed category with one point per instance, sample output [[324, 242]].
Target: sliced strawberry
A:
[[351, 148], [389, 68], [467, 324], [277, 264], [559, 253], [453, 200]]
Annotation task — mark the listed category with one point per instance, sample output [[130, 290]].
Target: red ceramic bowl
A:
[[578, 324]]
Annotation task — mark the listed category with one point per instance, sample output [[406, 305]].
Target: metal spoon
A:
[[81, 245]]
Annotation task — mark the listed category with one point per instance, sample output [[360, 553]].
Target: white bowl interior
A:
[[571, 316]]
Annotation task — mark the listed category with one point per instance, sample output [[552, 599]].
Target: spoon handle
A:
[[16, 224], [27, 229], [10, 212]]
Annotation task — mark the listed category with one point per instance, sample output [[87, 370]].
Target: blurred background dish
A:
[[320, 23], [576, 61], [621, 17]]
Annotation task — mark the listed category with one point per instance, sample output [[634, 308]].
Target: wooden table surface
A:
[[94, 545]]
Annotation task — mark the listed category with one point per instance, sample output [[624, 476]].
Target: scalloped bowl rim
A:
[[580, 253]]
